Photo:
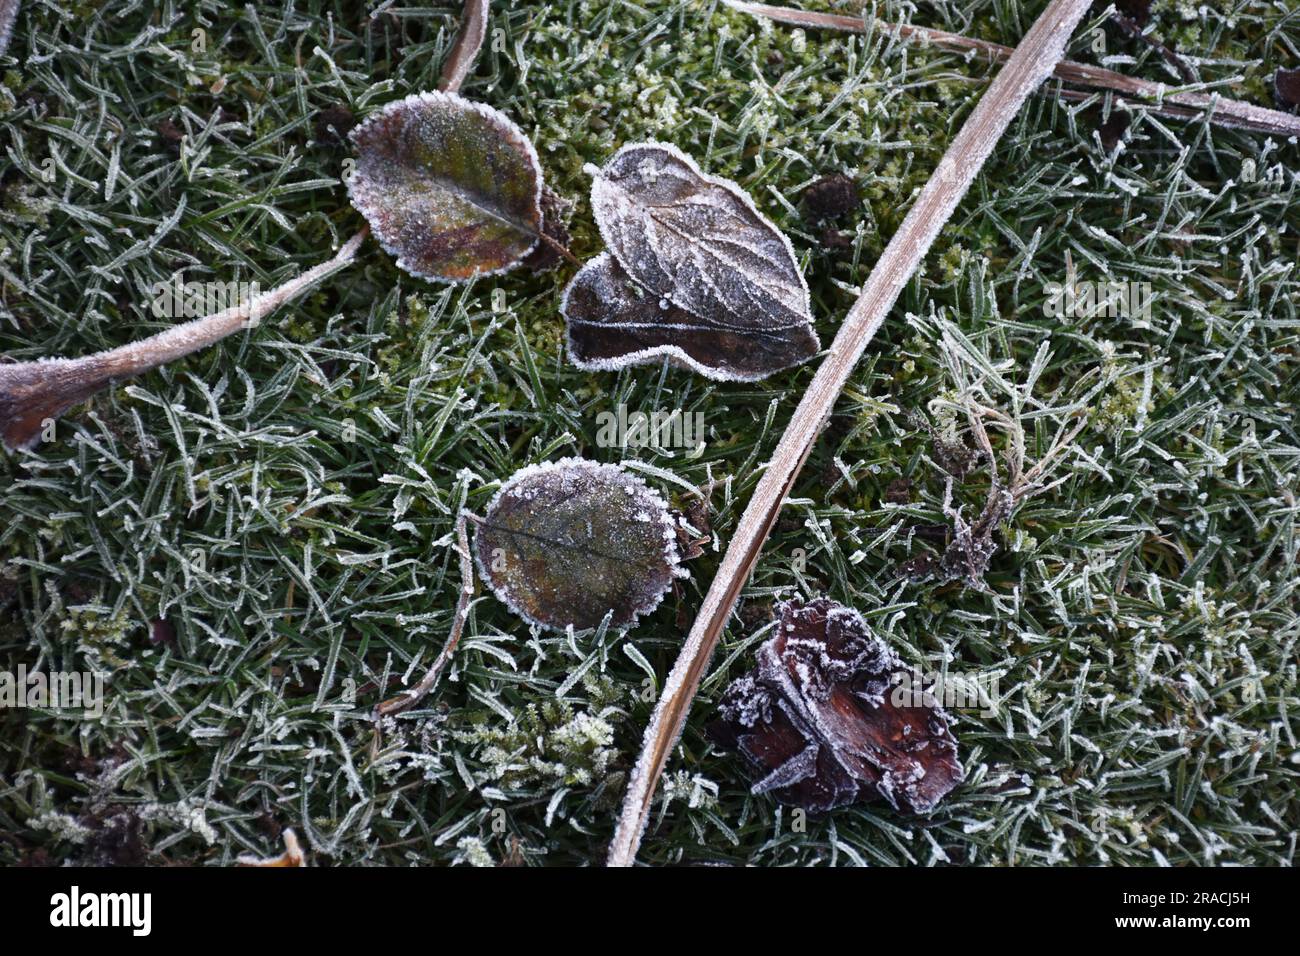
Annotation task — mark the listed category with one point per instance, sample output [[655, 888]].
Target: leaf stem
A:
[[33, 394], [1028, 66], [1233, 114], [412, 696]]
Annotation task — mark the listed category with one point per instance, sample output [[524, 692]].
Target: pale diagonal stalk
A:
[[1028, 66], [1159, 98], [34, 394]]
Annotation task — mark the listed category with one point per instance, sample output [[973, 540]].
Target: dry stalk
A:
[[1028, 66], [33, 394]]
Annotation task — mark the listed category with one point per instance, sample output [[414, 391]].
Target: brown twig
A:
[[473, 28], [34, 394], [1027, 67], [1160, 100], [412, 696]]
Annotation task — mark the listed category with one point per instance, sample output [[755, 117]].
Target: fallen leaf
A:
[[451, 188], [613, 322], [567, 542], [817, 719], [1286, 87], [547, 256], [830, 197], [694, 272]]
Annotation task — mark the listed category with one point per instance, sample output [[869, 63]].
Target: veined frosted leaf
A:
[[694, 272], [451, 188], [613, 322], [570, 541]]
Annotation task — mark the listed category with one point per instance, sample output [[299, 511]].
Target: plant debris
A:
[[831, 197], [1286, 87], [1112, 129], [817, 720], [694, 272], [451, 188], [570, 542], [292, 855], [333, 124], [1041, 49]]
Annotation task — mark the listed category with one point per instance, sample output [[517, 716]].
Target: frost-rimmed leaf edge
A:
[[490, 112], [676, 351], [672, 554], [667, 350]]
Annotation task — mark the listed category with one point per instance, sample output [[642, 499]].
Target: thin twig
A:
[[1029, 65], [33, 394], [1159, 98], [473, 28], [413, 695]]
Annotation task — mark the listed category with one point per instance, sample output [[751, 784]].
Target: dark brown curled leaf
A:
[[817, 720], [451, 188], [696, 247], [1286, 87], [613, 322], [568, 542]]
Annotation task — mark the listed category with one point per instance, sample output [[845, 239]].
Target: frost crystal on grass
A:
[[694, 272], [451, 188], [817, 721], [569, 542]]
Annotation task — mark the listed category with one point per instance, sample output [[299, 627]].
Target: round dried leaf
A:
[[568, 542], [451, 188]]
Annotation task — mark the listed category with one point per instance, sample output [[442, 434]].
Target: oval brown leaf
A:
[[568, 542], [451, 188], [816, 718], [694, 272]]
